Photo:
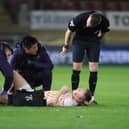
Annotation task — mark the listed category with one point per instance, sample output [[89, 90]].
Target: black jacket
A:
[[28, 63], [78, 25]]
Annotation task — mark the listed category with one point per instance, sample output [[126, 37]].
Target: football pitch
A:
[[112, 111]]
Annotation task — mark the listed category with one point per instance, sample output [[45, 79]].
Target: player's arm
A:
[[68, 35], [72, 27], [63, 90]]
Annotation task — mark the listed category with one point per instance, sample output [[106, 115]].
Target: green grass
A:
[[112, 112]]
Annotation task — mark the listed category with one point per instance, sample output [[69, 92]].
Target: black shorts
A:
[[23, 98], [81, 48]]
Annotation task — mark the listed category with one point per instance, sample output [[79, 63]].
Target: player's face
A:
[[8, 52], [79, 94], [33, 50]]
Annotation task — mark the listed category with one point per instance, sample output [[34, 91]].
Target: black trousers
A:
[[43, 77]]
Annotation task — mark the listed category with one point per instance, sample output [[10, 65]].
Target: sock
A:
[[75, 79], [26, 87], [92, 82]]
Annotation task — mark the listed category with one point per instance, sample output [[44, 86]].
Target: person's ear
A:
[[26, 50]]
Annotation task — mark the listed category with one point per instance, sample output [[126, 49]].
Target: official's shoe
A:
[[92, 101]]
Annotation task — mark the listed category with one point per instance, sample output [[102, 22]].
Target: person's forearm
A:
[[57, 98], [62, 91], [54, 101], [68, 36]]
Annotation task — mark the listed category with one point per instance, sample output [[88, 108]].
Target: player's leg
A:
[[93, 68], [93, 58], [77, 54], [76, 75], [20, 83]]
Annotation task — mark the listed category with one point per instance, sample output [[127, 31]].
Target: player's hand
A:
[[64, 90], [64, 50]]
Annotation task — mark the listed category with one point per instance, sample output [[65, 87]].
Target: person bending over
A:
[[32, 61], [88, 29]]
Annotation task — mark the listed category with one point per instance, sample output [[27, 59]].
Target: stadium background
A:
[[47, 20]]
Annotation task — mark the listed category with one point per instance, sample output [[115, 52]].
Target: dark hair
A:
[[88, 95], [95, 19], [4, 45], [28, 41]]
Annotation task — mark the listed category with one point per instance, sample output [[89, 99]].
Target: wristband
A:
[[66, 46]]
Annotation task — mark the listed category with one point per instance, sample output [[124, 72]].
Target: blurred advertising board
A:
[[57, 20], [118, 20], [50, 20]]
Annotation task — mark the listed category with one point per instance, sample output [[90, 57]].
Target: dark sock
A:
[[75, 79], [92, 82]]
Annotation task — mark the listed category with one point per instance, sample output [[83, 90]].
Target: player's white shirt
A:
[[64, 100]]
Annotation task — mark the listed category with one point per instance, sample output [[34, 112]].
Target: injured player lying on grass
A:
[[61, 97]]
